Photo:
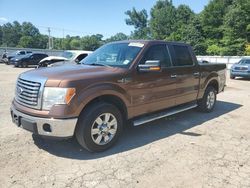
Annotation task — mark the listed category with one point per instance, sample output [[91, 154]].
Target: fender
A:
[[205, 80], [90, 93]]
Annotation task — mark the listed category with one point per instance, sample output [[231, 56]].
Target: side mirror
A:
[[150, 66]]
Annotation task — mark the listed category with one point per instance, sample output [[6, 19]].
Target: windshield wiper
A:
[[97, 64]]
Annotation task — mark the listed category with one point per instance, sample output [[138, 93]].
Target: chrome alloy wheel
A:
[[210, 100], [104, 129]]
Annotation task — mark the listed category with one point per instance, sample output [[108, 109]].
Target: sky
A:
[[80, 17]]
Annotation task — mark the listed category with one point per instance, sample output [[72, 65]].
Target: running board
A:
[[163, 114]]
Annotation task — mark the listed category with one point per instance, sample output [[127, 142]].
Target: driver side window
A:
[[158, 52]]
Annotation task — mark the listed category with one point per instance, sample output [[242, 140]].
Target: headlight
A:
[[55, 95]]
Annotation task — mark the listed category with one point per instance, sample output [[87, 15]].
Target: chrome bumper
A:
[[240, 73], [60, 128]]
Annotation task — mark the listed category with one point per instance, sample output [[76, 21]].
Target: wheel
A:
[[232, 77], [99, 127], [24, 65], [207, 103]]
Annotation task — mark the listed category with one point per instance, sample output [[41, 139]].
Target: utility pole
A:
[[49, 38], [52, 43], [63, 40]]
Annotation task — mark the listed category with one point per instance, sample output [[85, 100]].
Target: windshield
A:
[[68, 55], [244, 62], [115, 55]]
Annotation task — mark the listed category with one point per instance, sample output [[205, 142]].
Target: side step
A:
[[169, 112]]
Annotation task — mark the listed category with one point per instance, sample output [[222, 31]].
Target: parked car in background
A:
[[241, 69], [27, 60], [70, 56], [140, 81], [17, 53]]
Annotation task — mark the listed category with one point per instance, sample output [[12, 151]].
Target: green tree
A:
[[237, 19], [163, 18], [247, 49], [75, 44], [66, 43], [184, 15], [193, 35], [117, 37], [11, 34], [138, 19], [28, 29], [214, 50], [92, 42], [212, 18], [26, 42], [1, 35], [248, 33]]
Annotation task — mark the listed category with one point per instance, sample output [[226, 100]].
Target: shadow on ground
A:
[[134, 137], [242, 79]]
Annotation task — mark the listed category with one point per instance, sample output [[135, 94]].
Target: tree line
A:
[[222, 28]]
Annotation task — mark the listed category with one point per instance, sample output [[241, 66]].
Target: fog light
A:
[[47, 128]]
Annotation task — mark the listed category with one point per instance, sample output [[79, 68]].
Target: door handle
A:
[[196, 74], [173, 76]]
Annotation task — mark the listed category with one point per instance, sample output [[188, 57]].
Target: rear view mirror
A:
[[150, 66]]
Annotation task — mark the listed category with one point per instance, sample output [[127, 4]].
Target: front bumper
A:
[[240, 74], [49, 127]]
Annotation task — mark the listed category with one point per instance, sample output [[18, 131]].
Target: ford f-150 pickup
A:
[[125, 81]]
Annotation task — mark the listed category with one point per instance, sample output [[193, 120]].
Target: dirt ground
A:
[[190, 149]]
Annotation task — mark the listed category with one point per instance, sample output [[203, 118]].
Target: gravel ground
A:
[[190, 149]]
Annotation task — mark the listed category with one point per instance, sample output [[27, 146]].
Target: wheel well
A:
[[111, 99], [214, 84]]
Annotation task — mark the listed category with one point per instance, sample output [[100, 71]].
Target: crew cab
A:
[[139, 81]]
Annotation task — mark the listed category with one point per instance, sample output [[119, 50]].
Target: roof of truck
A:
[[149, 41]]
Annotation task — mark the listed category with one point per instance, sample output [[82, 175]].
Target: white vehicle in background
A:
[[67, 57]]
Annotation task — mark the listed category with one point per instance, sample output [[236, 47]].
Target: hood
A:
[[61, 75], [60, 63]]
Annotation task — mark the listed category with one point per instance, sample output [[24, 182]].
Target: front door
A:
[[151, 91]]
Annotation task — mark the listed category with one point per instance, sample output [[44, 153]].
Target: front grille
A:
[[27, 92], [241, 68]]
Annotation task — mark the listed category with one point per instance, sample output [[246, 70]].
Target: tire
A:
[[91, 132], [24, 65], [207, 103], [232, 77]]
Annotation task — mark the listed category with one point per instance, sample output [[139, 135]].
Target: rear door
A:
[[32, 59], [186, 73]]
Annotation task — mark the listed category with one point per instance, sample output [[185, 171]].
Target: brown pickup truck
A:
[[139, 81]]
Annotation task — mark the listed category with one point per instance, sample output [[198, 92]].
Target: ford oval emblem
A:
[[19, 90]]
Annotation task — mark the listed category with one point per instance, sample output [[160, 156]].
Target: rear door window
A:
[[182, 56]]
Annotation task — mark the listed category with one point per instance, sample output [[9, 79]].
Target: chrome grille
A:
[[240, 68], [27, 92]]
